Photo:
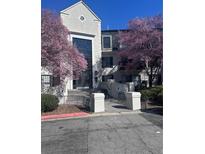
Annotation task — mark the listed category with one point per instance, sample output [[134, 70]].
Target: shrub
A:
[[159, 98], [154, 94], [48, 102]]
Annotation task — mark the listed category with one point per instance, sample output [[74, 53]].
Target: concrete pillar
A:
[[134, 100], [97, 102], [131, 86]]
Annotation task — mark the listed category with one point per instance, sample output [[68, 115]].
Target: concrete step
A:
[[78, 97], [79, 93]]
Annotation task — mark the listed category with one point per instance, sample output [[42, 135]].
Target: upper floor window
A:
[[84, 46], [107, 41], [82, 18]]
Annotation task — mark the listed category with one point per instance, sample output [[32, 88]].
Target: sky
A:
[[114, 14]]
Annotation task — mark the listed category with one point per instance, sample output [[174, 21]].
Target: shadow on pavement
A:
[[153, 113], [150, 107], [158, 111], [120, 106]]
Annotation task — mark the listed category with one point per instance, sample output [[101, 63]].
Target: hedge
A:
[[48, 102], [154, 94]]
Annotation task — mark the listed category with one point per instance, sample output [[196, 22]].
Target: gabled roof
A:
[[81, 2]]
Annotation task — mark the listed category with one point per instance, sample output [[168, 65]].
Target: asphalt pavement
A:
[[139, 133]]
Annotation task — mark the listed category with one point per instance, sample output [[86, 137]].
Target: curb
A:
[[62, 116], [83, 115]]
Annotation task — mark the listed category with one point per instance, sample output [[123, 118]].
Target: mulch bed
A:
[[64, 109]]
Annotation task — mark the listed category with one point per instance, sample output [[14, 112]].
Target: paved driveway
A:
[[115, 106], [120, 134]]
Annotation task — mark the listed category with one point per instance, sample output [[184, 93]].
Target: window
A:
[[106, 77], [128, 78], [82, 18], [50, 80], [85, 47], [107, 62], [107, 44], [46, 79], [55, 81], [96, 79]]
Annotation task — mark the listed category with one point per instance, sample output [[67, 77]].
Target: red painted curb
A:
[[47, 117]]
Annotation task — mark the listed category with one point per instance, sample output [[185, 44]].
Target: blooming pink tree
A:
[[142, 45], [57, 53]]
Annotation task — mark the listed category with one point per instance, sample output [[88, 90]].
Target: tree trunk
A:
[[150, 77], [162, 73]]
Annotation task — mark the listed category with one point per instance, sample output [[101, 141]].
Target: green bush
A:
[[154, 94], [159, 98], [48, 102]]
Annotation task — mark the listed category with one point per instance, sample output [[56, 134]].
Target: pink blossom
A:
[[58, 55], [143, 42]]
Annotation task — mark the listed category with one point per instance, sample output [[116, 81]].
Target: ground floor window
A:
[[50, 81], [46, 79], [107, 62]]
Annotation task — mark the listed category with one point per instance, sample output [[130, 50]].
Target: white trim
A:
[[45, 71], [81, 2], [82, 34]]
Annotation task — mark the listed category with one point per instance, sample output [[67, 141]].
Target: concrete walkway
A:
[[113, 105], [120, 134]]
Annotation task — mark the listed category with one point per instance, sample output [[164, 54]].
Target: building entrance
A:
[[85, 79]]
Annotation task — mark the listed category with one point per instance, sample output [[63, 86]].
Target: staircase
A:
[[78, 97]]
